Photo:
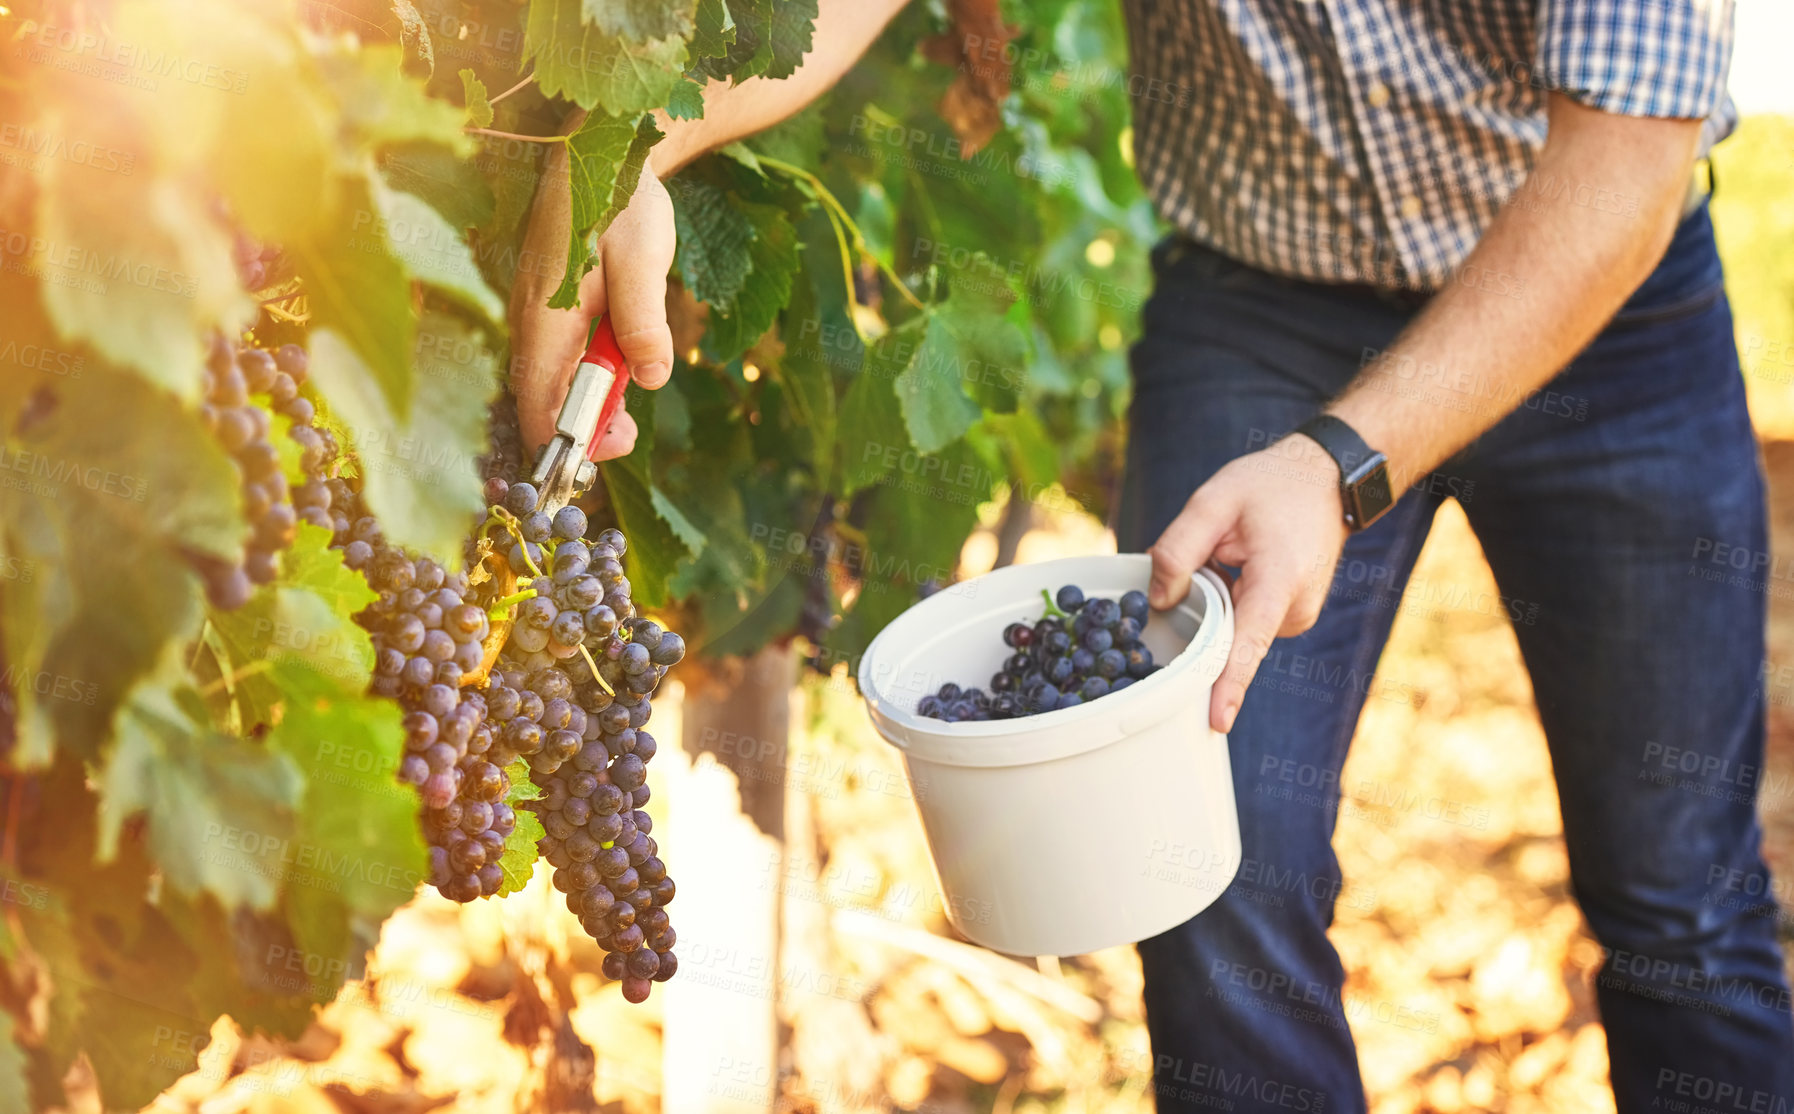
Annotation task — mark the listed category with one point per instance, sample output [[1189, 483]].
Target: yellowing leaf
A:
[[133, 266], [358, 289], [479, 109], [420, 472], [433, 251], [219, 76], [379, 105]]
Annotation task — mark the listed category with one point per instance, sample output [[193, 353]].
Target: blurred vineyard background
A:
[[1470, 968]]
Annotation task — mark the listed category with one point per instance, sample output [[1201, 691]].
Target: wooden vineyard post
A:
[[726, 830]]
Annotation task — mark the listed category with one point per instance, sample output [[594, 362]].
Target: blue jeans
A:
[[1622, 511]]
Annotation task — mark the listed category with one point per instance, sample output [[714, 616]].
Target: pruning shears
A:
[[562, 470]]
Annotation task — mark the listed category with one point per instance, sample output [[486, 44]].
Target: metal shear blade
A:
[[562, 471]]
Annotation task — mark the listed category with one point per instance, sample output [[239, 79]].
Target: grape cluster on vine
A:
[[473, 708], [428, 632], [539, 658], [592, 764], [233, 384]]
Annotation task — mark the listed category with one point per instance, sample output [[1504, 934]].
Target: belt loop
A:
[[1700, 186]]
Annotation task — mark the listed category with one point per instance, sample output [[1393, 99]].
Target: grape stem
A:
[[494, 133], [500, 609], [501, 517], [593, 666], [229, 680], [838, 212], [527, 79], [1052, 609]]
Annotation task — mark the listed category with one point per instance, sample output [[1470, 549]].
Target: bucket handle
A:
[[1216, 652]]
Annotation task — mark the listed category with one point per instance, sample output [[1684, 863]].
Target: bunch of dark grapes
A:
[[1055, 663], [505, 459], [428, 633], [581, 734], [591, 766], [242, 390]]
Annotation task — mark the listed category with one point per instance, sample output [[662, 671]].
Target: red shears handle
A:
[[602, 350]]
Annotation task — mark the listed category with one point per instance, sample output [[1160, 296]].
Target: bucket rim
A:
[[1065, 732]]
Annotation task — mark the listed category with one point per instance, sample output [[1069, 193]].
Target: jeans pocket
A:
[[1686, 281], [1686, 306]]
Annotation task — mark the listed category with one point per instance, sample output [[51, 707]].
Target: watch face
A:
[[1371, 495]]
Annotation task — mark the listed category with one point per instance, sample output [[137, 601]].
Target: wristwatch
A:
[[1363, 471]]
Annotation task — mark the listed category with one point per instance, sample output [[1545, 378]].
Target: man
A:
[[1397, 220]]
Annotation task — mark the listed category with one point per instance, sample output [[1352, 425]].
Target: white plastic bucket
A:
[[1079, 829]]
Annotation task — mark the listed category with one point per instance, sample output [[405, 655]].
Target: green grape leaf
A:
[[873, 435], [1024, 441], [358, 290], [519, 859], [731, 564], [259, 976], [604, 165], [108, 481], [814, 339], [135, 1015], [915, 526], [734, 328], [216, 806], [303, 617], [518, 862], [89, 900], [715, 238], [433, 251], [686, 101], [931, 392], [638, 20], [772, 37], [452, 186], [358, 837], [148, 998], [596, 69], [420, 476], [672, 414], [989, 347], [793, 26], [479, 108], [660, 535], [746, 156], [970, 342], [752, 20], [713, 35], [743, 630]]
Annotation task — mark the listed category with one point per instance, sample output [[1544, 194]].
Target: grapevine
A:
[[253, 597]]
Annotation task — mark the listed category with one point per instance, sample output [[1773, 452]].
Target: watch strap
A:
[[1341, 441], [1363, 471]]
